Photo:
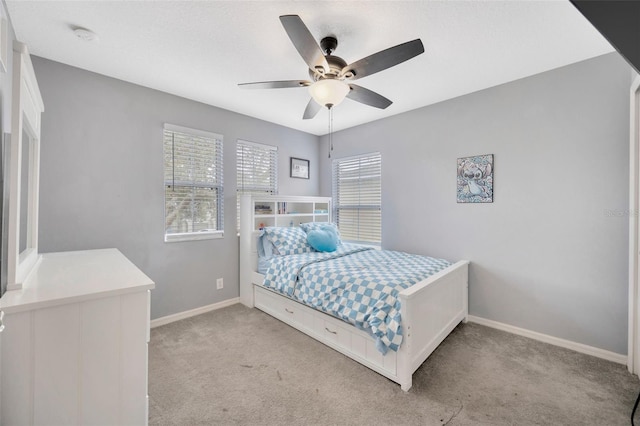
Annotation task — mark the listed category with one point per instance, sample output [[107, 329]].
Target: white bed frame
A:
[[430, 309]]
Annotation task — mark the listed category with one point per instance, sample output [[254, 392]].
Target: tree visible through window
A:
[[193, 184], [357, 198], [257, 170]]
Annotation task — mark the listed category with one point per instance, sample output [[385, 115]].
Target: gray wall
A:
[[546, 254], [101, 179], [549, 255]]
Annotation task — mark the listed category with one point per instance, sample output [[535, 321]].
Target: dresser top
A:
[[75, 276]]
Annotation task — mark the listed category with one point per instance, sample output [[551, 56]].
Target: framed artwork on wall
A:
[[475, 179], [299, 168]]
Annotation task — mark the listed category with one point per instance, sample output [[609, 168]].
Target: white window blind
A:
[[357, 198], [257, 170], [193, 184]]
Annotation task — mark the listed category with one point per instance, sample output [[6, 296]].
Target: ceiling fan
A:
[[331, 75]]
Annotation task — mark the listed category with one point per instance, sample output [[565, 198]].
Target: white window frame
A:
[[240, 185], [336, 198], [198, 235]]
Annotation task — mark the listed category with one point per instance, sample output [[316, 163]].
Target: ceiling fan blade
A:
[[311, 110], [304, 42], [384, 59], [275, 84], [367, 97]]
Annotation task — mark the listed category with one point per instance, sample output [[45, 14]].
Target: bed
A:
[[421, 314]]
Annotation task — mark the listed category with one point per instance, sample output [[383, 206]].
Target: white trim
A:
[[27, 107], [556, 341], [29, 74], [27, 261], [286, 198], [193, 312], [633, 340], [190, 131], [193, 236]]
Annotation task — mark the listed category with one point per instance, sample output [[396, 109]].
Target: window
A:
[[357, 198], [257, 170], [193, 193]]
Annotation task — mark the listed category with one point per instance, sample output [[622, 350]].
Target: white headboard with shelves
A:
[[259, 211]]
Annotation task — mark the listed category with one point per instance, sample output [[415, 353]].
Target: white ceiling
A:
[[201, 50]]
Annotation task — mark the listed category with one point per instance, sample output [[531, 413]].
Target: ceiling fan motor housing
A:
[[329, 45], [336, 63]]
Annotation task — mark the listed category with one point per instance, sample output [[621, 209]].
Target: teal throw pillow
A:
[[324, 239]]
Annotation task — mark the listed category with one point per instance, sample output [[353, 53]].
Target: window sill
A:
[[193, 236], [376, 246]]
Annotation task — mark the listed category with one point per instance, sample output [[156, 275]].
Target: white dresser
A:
[[74, 350]]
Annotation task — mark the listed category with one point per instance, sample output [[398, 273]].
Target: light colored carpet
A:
[[240, 366]]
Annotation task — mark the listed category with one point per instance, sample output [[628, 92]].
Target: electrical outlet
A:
[[219, 284]]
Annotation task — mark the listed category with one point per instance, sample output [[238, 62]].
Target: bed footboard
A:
[[430, 310]]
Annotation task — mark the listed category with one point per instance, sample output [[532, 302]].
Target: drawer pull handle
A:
[[288, 310], [1, 321], [332, 332]]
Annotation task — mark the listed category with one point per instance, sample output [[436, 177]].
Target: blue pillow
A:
[[310, 226], [324, 239], [288, 241], [265, 247]]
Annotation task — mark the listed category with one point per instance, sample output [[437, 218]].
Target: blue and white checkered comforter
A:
[[356, 284]]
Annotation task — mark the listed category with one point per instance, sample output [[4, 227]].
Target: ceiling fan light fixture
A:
[[329, 92]]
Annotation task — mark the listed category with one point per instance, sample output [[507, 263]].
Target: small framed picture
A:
[[475, 179], [299, 168]]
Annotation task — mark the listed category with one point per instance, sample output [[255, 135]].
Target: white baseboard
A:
[[193, 312], [556, 341], [578, 347]]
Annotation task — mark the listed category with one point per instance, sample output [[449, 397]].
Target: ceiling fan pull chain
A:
[[331, 120], [329, 128]]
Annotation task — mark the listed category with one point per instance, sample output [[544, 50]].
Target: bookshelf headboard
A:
[[259, 211]]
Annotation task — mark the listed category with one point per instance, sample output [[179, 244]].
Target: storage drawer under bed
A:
[[284, 309], [336, 334]]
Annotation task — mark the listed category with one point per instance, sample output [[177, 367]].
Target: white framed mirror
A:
[[24, 165]]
